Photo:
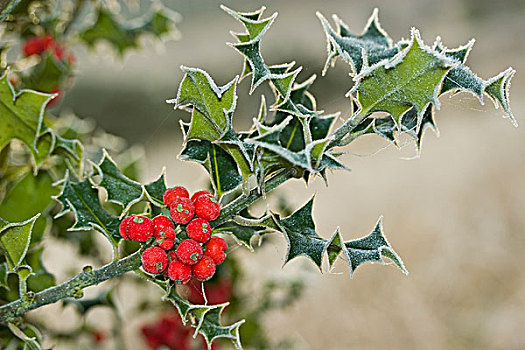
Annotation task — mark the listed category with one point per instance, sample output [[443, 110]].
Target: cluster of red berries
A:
[[197, 255]]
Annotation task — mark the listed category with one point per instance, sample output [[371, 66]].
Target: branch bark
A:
[[69, 289]]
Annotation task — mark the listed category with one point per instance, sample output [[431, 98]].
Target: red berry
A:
[[179, 272], [164, 237], [164, 221], [122, 229], [207, 207], [199, 230], [204, 269], [182, 210], [140, 228], [189, 252], [37, 45], [215, 249], [154, 260], [198, 194], [173, 193]]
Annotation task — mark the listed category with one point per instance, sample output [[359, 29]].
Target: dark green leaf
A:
[[359, 51], [82, 199], [121, 189], [371, 248], [206, 320], [299, 230], [222, 167], [461, 78], [155, 190]]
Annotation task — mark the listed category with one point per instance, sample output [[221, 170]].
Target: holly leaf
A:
[[124, 35], [15, 207], [213, 107], [22, 118], [121, 189], [155, 190], [82, 199], [372, 46], [461, 78], [372, 248], [411, 79], [249, 47], [299, 231], [220, 165], [244, 229], [212, 104], [206, 319], [14, 240]]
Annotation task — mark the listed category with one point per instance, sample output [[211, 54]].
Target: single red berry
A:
[[154, 260], [198, 194], [32, 46], [204, 269], [189, 252], [182, 210], [164, 237], [215, 249], [199, 230], [140, 228], [175, 192], [179, 272], [122, 229], [163, 221], [98, 336], [207, 207]]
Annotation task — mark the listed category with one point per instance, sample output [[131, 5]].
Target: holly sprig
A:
[[289, 139]]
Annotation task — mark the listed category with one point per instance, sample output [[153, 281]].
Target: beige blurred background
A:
[[455, 215]]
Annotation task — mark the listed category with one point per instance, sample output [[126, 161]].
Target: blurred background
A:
[[454, 214]]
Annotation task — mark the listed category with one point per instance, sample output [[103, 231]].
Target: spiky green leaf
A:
[[370, 47], [371, 248], [81, 198], [411, 79], [22, 118], [299, 230], [121, 189], [206, 319], [14, 240], [125, 35]]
